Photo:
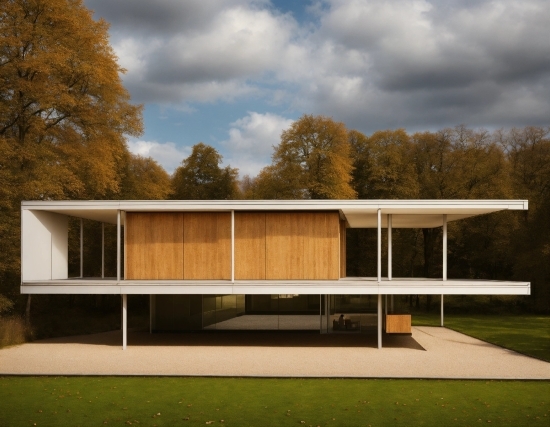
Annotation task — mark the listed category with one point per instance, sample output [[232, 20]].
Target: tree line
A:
[[65, 117]]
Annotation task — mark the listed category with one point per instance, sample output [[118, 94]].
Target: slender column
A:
[[379, 321], [150, 314], [379, 245], [81, 248], [102, 250], [124, 320], [232, 246], [390, 260], [444, 263], [118, 245]]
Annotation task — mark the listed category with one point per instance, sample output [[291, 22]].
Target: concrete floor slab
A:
[[431, 352]]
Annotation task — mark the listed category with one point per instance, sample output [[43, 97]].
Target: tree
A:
[[460, 163], [528, 152], [145, 179], [64, 114], [382, 166], [201, 178], [311, 162]]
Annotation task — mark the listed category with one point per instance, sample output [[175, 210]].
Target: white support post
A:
[[379, 321], [232, 246], [81, 248], [390, 260], [118, 245], [102, 250], [379, 246], [124, 320], [444, 263], [151, 312]]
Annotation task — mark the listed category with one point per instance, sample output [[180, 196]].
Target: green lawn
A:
[[118, 401], [527, 334]]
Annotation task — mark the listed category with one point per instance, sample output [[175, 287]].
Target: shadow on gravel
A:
[[241, 338]]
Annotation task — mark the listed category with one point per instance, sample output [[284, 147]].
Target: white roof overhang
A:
[[358, 213]]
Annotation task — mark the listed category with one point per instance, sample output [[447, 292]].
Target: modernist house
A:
[[206, 264]]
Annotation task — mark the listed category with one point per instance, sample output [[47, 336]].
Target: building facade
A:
[[215, 264]]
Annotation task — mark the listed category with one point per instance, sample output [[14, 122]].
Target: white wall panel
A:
[[44, 245]]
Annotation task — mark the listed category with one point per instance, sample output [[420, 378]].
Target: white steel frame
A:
[[358, 213]]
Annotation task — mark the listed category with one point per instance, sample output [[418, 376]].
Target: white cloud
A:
[[371, 64], [167, 154], [251, 141]]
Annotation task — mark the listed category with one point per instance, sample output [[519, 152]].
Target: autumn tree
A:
[[144, 179], [311, 162], [528, 152], [200, 177], [382, 165], [64, 114]]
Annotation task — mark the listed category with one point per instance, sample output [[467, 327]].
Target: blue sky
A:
[[235, 73]]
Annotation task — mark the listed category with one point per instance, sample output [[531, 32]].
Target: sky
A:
[[235, 73]]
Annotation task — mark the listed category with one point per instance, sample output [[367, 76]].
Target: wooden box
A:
[[398, 323]]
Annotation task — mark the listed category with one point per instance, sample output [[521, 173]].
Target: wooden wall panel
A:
[[154, 245], [321, 245], [343, 248], [284, 247], [302, 245], [207, 246], [250, 245]]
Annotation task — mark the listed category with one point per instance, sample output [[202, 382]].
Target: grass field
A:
[[120, 401], [527, 334]]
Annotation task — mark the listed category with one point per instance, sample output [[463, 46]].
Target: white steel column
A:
[[232, 246], [118, 245], [379, 321], [81, 248], [124, 320], [102, 250], [379, 245], [390, 260], [444, 262]]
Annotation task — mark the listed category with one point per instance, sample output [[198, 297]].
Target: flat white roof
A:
[[358, 213]]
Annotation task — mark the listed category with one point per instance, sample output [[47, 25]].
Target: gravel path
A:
[[431, 352]]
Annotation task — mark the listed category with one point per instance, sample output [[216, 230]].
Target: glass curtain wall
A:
[[351, 313]]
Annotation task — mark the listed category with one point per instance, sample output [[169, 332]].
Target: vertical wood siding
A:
[[207, 246], [272, 246], [250, 245], [154, 245]]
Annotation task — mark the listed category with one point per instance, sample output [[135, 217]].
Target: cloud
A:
[[251, 141], [167, 154], [419, 64]]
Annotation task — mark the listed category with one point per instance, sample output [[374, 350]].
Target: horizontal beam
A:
[[304, 287]]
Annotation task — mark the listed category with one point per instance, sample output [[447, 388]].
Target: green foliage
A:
[[200, 177], [71, 401]]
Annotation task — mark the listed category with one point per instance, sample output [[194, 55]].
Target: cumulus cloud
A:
[[372, 64], [251, 141], [167, 154]]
